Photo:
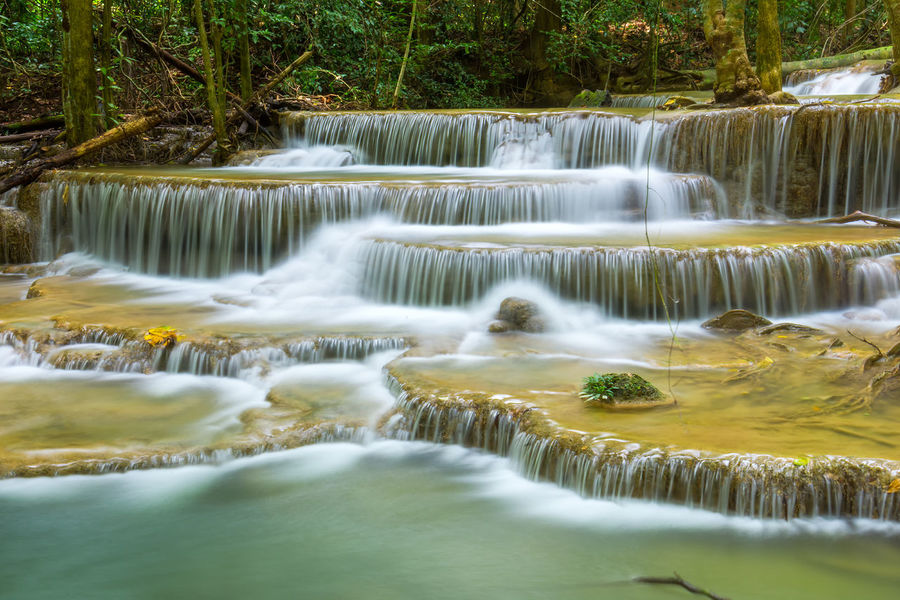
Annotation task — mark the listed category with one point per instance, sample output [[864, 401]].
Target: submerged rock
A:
[[736, 320], [616, 389], [517, 314], [790, 328]]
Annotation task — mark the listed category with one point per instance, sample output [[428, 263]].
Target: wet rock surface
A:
[[517, 314], [736, 320]]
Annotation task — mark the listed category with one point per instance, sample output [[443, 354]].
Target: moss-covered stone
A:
[[16, 237], [611, 389], [591, 99], [736, 320]]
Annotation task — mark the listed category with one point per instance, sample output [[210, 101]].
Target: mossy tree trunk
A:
[[768, 47], [893, 14], [241, 7], [215, 106], [106, 78], [79, 77], [736, 82]]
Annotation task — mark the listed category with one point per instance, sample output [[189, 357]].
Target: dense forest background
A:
[[461, 53]]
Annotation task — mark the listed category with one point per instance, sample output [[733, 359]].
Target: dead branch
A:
[[861, 216], [114, 135], [257, 96], [878, 351], [22, 137], [676, 579]]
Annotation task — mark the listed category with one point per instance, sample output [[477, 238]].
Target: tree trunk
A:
[[893, 14], [79, 78], [106, 78], [244, 48], [546, 20], [849, 23], [768, 47], [412, 22], [736, 82], [217, 108]]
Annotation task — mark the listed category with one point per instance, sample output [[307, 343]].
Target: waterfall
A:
[[747, 485], [771, 280], [810, 160]]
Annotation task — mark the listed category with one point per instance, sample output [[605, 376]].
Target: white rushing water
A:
[[300, 277], [838, 81]]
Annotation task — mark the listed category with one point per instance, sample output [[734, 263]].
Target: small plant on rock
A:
[[613, 388]]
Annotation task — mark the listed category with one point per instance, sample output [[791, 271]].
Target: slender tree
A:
[[893, 16], [412, 22], [106, 78], [242, 17], [79, 77], [736, 82], [768, 47], [217, 108]]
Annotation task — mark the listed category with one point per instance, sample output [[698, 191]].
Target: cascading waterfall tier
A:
[[748, 485], [771, 280], [812, 160], [182, 226], [97, 349]]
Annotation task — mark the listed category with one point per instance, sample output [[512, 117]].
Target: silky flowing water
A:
[[335, 419]]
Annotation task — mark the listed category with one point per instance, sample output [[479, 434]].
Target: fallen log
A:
[[861, 216], [257, 96], [45, 122], [838, 60], [112, 136]]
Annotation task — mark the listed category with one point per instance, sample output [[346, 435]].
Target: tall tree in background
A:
[[215, 93], [412, 22], [79, 78], [736, 82], [893, 17], [768, 47], [547, 19], [243, 35]]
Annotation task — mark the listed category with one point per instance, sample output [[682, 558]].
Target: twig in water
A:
[[676, 579], [880, 354]]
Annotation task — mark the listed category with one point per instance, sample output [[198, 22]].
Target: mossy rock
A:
[[781, 97], [589, 99], [16, 237], [736, 320], [620, 389]]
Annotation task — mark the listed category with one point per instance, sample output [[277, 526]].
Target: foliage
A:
[[608, 388], [464, 52]]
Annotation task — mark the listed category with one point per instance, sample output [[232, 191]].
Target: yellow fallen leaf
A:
[[162, 336], [894, 487]]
